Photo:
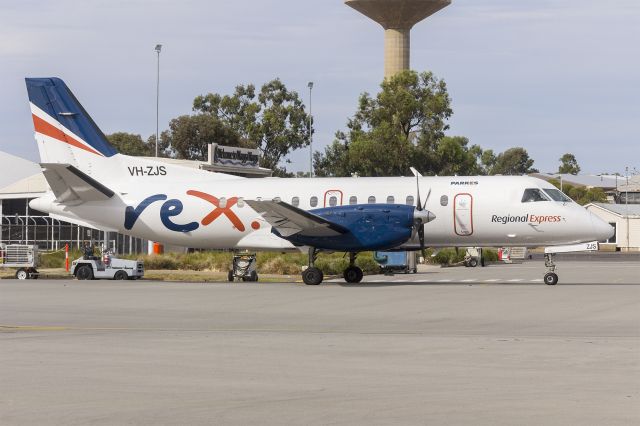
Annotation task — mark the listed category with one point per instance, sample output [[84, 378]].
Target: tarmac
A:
[[448, 346]]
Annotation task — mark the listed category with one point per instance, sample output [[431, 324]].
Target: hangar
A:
[[625, 218]]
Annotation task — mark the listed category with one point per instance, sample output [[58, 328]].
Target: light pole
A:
[[310, 86], [157, 49], [626, 202]]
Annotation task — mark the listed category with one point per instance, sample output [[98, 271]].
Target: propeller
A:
[[421, 216]]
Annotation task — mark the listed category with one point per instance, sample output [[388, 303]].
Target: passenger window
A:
[[410, 200], [333, 201], [391, 199], [557, 195], [277, 199], [313, 201], [295, 201], [444, 200], [353, 200], [240, 202], [371, 200], [532, 195], [223, 203]]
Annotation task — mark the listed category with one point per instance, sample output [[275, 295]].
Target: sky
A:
[[550, 76]]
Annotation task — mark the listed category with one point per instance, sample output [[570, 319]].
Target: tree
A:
[[581, 194], [129, 144], [513, 161], [402, 126], [569, 164], [190, 135], [274, 120]]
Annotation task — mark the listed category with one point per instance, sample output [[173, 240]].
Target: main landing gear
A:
[[314, 276], [550, 278], [353, 274]]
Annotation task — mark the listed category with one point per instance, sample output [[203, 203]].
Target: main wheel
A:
[[22, 274], [230, 276], [550, 278], [353, 274], [312, 276], [84, 272], [121, 275]]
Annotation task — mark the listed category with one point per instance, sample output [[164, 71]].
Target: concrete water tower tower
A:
[[397, 17]]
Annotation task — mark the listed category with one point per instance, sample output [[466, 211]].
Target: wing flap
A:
[[71, 186], [289, 220]]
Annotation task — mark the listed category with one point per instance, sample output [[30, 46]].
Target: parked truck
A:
[[396, 261]]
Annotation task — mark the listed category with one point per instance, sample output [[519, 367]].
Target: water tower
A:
[[397, 17]]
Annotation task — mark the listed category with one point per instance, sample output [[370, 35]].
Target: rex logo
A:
[[173, 207]]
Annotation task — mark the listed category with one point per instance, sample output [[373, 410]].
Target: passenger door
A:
[[463, 214]]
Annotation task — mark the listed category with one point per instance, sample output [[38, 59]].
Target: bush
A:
[[490, 255], [448, 256]]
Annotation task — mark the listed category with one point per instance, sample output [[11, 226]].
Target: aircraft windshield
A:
[[532, 195], [557, 195]]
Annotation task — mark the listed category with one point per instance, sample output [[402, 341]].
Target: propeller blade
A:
[[418, 203]]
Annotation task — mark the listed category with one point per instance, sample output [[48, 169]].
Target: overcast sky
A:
[[551, 76]]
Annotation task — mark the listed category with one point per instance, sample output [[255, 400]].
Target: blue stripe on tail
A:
[[54, 97]]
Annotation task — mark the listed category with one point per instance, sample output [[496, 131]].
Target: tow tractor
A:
[[24, 258], [108, 267]]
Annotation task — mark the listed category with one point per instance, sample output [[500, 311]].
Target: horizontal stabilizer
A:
[[71, 186], [289, 220]]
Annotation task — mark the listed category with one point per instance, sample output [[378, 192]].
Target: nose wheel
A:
[[550, 278]]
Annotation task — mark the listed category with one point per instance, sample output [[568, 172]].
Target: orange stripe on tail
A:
[[47, 129]]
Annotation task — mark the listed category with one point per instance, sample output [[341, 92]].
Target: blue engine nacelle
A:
[[370, 227]]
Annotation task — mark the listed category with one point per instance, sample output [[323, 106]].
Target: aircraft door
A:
[[332, 198], [463, 214]]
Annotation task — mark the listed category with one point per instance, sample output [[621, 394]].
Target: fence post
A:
[[66, 257]]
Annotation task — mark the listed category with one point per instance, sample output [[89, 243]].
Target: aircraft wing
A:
[[289, 220], [71, 186]]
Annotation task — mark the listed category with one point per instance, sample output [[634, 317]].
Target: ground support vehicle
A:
[[243, 267], [24, 258], [396, 261], [109, 268]]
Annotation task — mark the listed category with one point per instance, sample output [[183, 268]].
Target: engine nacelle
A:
[[371, 227]]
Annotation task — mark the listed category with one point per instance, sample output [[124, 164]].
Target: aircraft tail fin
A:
[[64, 130]]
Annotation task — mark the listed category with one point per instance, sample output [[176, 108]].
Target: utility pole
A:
[[626, 202], [157, 49], [310, 86]]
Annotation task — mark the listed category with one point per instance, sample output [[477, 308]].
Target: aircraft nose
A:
[[602, 230]]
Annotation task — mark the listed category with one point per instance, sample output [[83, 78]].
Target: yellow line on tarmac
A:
[[31, 328]]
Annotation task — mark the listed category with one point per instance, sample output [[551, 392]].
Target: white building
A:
[[626, 220]]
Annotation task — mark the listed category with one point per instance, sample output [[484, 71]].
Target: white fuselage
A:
[[198, 209]]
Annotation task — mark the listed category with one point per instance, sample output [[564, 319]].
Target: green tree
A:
[[190, 135], [129, 144], [569, 164], [513, 161], [581, 194], [273, 120], [402, 126]]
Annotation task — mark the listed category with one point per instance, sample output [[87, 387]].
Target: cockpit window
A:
[[532, 195], [557, 195]]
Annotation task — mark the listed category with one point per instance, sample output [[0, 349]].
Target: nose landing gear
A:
[[550, 278]]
